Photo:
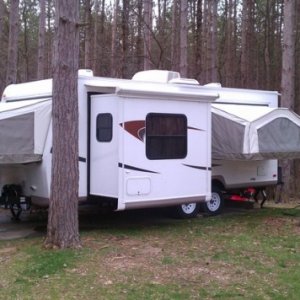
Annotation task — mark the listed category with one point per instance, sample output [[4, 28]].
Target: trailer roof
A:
[[157, 83], [247, 113], [165, 91], [28, 90]]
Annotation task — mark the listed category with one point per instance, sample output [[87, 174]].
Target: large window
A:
[[166, 136], [104, 127]]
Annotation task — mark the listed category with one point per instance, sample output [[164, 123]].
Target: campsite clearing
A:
[[252, 254]]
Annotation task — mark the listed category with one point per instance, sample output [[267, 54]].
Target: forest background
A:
[[239, 43]]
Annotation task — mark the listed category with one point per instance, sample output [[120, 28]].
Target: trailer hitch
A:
[[249, 194], [12, 198]]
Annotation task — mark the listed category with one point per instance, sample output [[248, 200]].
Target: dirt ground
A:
[[10, 229]]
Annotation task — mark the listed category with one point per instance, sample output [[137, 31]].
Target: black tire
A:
[[216, 204], [186, 211]]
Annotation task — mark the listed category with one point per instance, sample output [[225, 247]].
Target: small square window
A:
[[104, 127]]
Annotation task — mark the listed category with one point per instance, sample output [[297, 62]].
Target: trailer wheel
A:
[[215, 205], [186, 211]]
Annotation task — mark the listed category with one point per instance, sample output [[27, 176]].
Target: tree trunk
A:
[[288, 56], [268, 33], [248, 57], [197, 34], [147, 33], [183, 65], [125, 38], [3, 52], [175, 37], [288, 81], [41, 42], [49, 39], [95, 38], [214, 42], [88, 34], [115, 64], [24, 19], [102, 61], [229, 75], [163, 62], [206, 50], [12, 58], [2, 10], [244, 48], [62, 231], [139, 37]]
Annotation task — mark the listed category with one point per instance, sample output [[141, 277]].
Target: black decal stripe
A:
[[135, 169], [198, 167], [194, 128]]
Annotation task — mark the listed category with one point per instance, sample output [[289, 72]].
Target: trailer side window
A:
[[166, 136], [104, 127]]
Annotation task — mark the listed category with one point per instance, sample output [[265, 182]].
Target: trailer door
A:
[[103, 160]]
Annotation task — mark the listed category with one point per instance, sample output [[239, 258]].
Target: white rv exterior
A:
[[133, 151], [140, 144]]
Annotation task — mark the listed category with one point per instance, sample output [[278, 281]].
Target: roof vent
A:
[[184, 81], [85, 73], [214, 85], [156, 76]]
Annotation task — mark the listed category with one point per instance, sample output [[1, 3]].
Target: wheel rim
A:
[[215, 202], [188, 208]]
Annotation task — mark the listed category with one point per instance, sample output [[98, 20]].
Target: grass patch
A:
[[167, 260], [251, 254], [31, 265], [43, 263]]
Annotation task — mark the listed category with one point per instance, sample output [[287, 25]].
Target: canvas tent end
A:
[[243, 132]]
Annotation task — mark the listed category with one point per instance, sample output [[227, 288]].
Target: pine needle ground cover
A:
[[249, 254]]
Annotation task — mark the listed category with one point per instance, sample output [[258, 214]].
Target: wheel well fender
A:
[[218, 183]]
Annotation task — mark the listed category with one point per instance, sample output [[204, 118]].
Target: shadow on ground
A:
[[90, 218]]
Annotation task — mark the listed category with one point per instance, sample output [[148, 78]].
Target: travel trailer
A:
[[155, 140], [141, 144]]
